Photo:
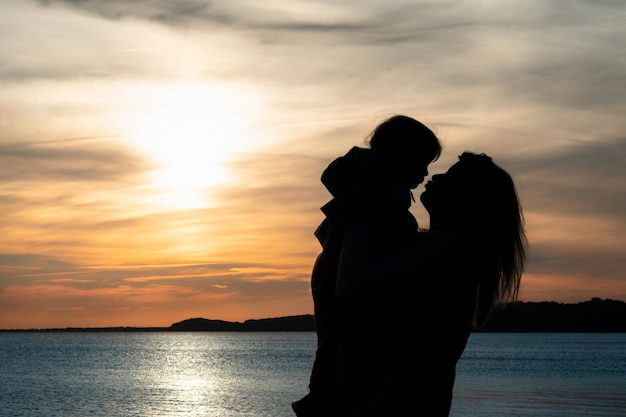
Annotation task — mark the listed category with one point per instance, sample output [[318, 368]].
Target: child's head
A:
[[408, 143]]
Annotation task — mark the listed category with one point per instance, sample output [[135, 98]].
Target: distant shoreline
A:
[[593, 316]]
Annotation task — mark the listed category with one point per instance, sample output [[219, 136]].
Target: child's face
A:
[[417, 171]]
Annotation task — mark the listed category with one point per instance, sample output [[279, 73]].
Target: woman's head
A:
[[477, 200], [409, 144]]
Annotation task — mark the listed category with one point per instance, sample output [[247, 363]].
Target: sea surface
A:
[[259, 374]]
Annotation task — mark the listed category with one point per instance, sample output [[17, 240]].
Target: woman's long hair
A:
[[497, 238]]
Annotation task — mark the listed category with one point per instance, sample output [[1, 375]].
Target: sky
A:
[[160, 160]]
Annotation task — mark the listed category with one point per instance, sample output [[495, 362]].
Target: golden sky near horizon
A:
[[161, 160]]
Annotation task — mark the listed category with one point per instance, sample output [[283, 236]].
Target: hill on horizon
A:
[[304, 322]]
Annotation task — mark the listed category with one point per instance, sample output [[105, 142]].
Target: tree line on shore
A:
[[595, 315]]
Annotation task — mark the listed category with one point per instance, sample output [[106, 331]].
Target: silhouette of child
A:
[[369, 185]]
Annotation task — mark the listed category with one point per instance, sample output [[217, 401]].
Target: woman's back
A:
[[407, 324]]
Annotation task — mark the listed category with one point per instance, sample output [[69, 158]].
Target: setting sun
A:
[[190, 132]]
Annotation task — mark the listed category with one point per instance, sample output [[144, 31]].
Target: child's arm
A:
[[432, 263]]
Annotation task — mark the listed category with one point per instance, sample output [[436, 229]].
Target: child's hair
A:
[[400, 137]]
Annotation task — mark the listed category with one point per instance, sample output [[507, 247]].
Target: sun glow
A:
[[191, 132]]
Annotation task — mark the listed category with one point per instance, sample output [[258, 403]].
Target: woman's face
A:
[[444, 191]]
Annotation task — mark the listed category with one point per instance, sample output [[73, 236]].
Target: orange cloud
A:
[[152, 305], [568, 288]]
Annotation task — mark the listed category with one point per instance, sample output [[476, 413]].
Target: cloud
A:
[[26, 269], [435, 55], [55, 193], [13, 265], [583, 179], [579, 258], [48, 291], [243, 15], [67, 48], [88, 160], [271, 22]]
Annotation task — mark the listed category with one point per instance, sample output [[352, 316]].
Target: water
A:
[[542, 374], [260, 374]]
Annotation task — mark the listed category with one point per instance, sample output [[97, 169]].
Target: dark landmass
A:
[[93, 329], [593, 316], [303, 323]]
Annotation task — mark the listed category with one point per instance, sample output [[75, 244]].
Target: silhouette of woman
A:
[[408, 316]]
